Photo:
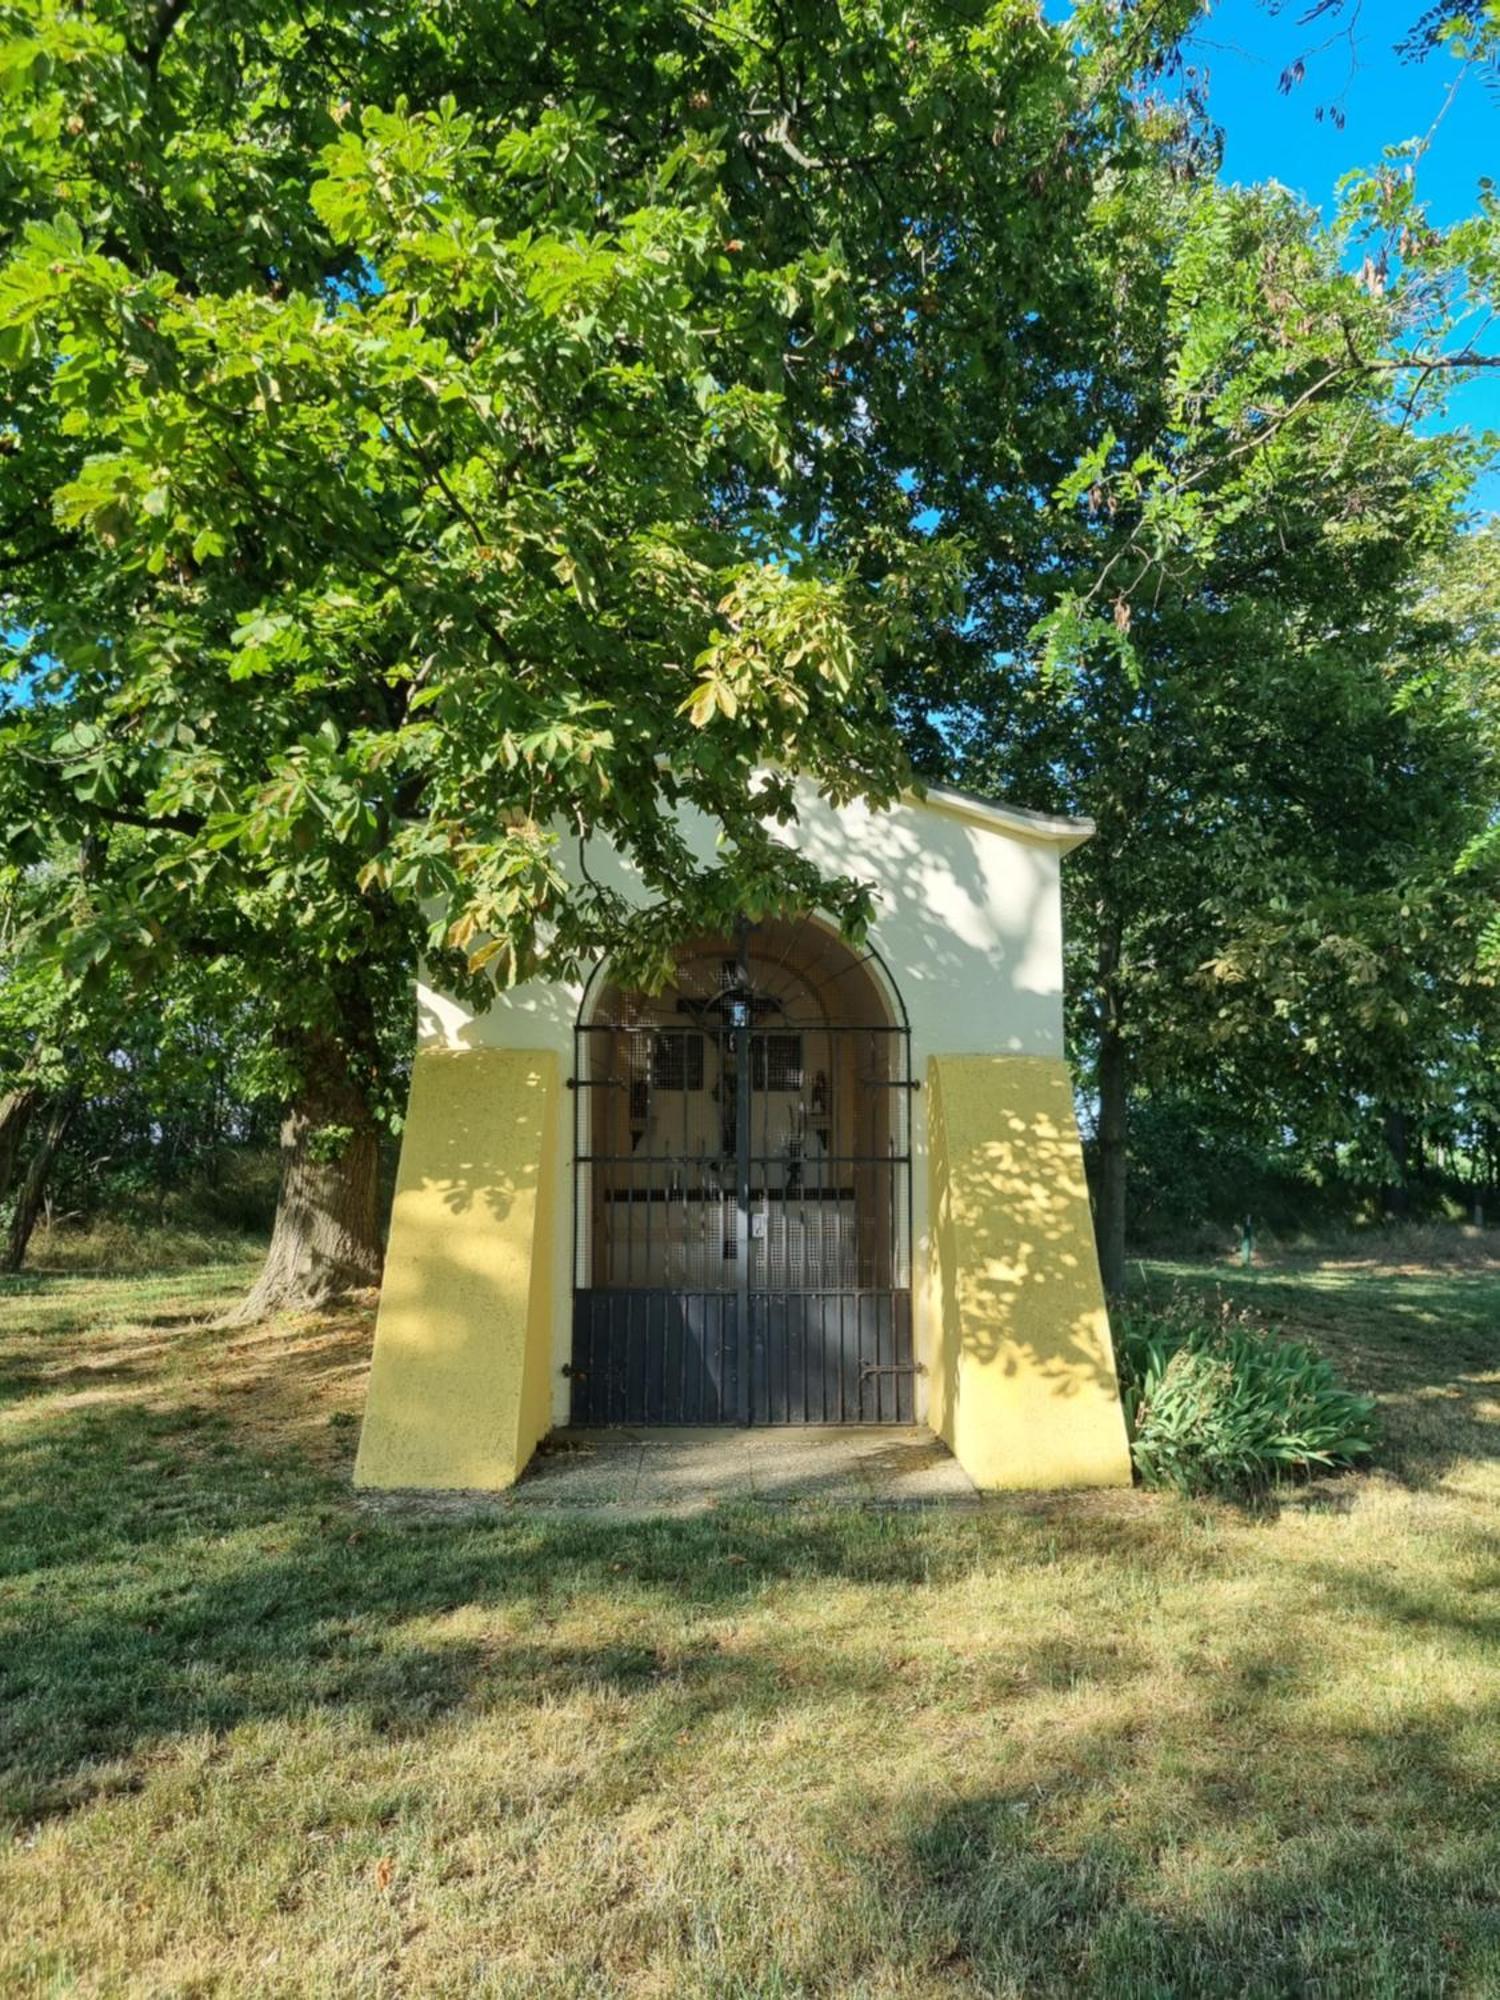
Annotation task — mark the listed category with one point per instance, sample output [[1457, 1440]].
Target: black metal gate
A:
[[743, 1193]]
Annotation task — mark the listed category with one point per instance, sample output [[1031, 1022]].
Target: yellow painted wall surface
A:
[[460, 1387], [1021, 1368]]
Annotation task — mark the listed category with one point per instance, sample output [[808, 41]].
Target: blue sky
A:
[[1245, 46]]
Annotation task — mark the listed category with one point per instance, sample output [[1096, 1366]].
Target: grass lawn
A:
[[257, 1739]]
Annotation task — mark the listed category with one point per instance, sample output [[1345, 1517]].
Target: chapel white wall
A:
[[968, 923]]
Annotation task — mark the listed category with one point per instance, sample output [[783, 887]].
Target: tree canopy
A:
[[1235, 666], [438, 435]]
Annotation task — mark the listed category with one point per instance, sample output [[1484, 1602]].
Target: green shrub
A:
[[1218, 1405]]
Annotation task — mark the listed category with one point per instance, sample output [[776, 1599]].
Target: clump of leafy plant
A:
[[1215, 1403]]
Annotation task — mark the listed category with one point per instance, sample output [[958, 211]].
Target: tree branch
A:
[[164, 21]]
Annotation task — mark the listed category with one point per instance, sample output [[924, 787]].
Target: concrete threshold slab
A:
[[648, 1472]]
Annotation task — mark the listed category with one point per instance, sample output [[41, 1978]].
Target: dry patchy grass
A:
[[255, 1739]]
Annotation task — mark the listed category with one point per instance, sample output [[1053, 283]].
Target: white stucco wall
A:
[[969, 925]]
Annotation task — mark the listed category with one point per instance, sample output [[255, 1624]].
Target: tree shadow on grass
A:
[[176, 1567], [169, 1582], [1250, 1847], [41, 1377], [1347, 1910], [159, 1579], [177, 1564]]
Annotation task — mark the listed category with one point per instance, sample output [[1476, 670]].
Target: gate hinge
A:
[[892, 1368]]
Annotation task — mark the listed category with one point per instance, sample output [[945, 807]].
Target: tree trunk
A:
[[1113, 1078], [1397, 1191], [16, 1109], [34, 1185], [326, 1237]]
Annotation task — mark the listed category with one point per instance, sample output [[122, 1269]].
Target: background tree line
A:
[[431, 434]]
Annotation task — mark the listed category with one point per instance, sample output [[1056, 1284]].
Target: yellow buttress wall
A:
[[1021, 1368], [460, 1382]]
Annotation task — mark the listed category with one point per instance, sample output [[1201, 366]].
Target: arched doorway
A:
[[742, 1191]]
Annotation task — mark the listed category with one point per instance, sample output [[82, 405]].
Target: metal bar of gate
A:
[[742, 1215]]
